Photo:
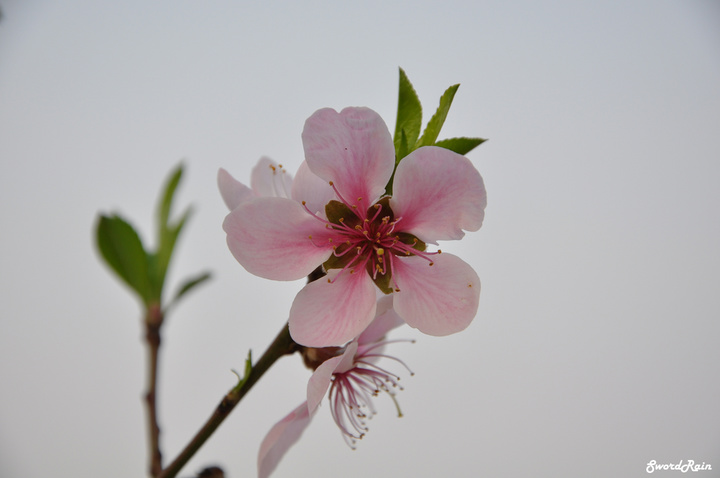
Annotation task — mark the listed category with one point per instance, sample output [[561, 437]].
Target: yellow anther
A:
[[330, 183], [380, 251], [272, 167], [303, 203]]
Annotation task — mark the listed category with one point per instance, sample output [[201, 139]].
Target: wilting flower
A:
[[339, 216], [353, 379]]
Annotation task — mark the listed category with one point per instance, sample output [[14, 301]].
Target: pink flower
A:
[[352, 377], [267, 178], [337, 216]]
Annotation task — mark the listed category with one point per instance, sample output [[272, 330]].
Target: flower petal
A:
[[440, 299], [353, 149], [385, 320], [333, 310], [438, 193], [233, 191], [320, 381], [269, 179], [280, 438], [270, 237], [314, 191]]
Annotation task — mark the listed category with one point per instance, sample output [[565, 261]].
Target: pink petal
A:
[[232, 191], [320, 381], [280, 438], [438, 193], [314, 191], [269, 179], [440, 299], [385, 320], [270, 238], [353, 149], [326, 314]]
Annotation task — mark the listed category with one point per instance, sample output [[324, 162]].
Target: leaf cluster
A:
[[142, 269], [407, 137]]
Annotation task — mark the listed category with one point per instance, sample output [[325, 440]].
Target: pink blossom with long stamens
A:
[[353, 378], [339, 216]]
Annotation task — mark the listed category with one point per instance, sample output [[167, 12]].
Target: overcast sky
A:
[[595, 347]]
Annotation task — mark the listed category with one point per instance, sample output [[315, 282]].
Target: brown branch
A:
[[153, 321], [282, 345]]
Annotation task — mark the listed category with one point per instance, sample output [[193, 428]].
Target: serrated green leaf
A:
[[187, 286], [432, 130], [409, 116], [404, 149], [122, 249], [460, 145]]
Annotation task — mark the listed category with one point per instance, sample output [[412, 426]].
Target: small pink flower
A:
[[337, 215], [353, 379], [267, 178]]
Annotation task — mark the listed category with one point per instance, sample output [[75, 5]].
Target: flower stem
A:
[[282, 345], [153, 322]]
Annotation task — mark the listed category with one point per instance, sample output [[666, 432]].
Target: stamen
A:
[[353, 207]]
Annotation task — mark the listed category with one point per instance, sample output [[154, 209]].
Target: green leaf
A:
[[122, 249], [248, 369], [163, 212], [187, 286], [432, 130], [460, 145], [409, 117], [168, 232]]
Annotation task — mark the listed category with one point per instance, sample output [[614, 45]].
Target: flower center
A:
[[351, 392], [368, 239]]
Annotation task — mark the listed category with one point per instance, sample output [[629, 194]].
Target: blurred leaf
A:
[[432, 130], [122, 249], [460, 145], [187, 286], [167, 197], [167, 232], [248, 369], [409, 117]]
